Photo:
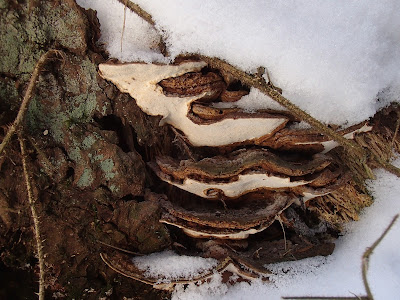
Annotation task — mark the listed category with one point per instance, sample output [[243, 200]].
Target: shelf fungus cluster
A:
[[253, 174]]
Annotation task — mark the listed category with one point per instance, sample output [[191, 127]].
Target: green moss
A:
[[3, 4]]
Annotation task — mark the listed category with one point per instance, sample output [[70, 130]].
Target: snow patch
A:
[[170, 266]]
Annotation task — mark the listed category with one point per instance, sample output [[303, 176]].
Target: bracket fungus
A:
[[244, 172], [252, 168], [141, 81]]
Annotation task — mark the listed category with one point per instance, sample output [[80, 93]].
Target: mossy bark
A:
[[83, 173]]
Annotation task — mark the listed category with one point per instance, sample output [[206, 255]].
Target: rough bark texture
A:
[[88, 179]]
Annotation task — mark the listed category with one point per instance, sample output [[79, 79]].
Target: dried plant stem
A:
[[146, 17], [327, 298], [396, 130], [35, 217], [365, 261], [139, 11], [283, 230], [367, 254], [120, 249], [123, 25], [355, 151], [27, 98], [259, 83]]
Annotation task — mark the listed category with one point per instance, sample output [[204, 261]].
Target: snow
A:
[[338, 60], [170, 265], [140, 39], [332, 58], [338, 274]]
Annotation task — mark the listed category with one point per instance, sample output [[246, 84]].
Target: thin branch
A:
[[355, 297], [36, 225], [260, 84], [120, 249], [367, 254], [358, 153], [139, 11], [149, 19], [365, 261], [123, 25], [283, 229], [27, 98], [395, 131], [327, 298]]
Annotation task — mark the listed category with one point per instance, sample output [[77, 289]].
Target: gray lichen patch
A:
[[65, 99], [107, 166], [26, 31], [65, 104], [86, 179]]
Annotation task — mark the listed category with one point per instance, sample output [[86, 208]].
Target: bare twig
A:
[[120, 249], [123, 25], [185, 147], [327, 298], [27, 98], [396, 131], [139, 11], [283, 229], [148, 18], [356, 152], [367, 254], [36, 224], [260, 84], [365, 261]]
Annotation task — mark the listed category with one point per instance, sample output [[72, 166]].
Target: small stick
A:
[[396, 130], [120, 249], [148, 18], [36, 224], [139, 11], [283, 229], [365, 261], [357, 152], [27, 98], [327, 298], [123, 26], [183, 142], [367, 254]]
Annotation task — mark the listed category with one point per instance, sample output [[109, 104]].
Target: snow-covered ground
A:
[[338, 60]]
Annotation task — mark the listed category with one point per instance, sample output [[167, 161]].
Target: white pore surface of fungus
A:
[[141, 82], [244, 184]]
